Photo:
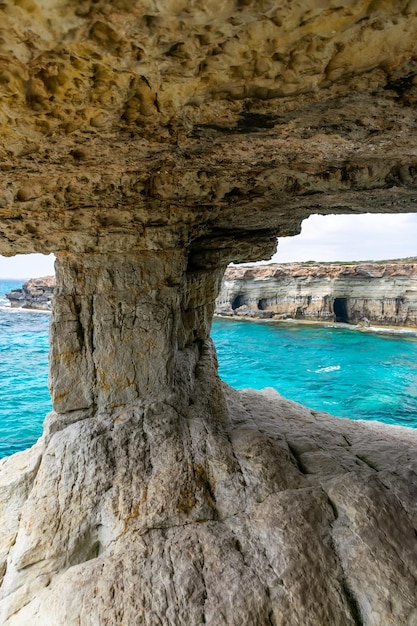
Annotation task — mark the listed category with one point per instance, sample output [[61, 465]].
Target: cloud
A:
[[27, 266], [364, 237]]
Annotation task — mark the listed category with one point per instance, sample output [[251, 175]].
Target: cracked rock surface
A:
[[267, 514]]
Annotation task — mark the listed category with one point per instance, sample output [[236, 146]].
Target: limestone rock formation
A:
[[36, 293], [382, 293], [148, 143], [145, 125], [262, 512]]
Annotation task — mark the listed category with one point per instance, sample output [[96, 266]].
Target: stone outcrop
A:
[[383, 293], [148, 144], [380, 293], [250, 511], [36, 293]]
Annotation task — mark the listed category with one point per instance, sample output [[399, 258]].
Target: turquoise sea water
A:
[[24, 395], [334, 369], [343, 371]]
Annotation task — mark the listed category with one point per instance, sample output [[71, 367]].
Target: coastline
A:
[[16, 309], [389, 330]]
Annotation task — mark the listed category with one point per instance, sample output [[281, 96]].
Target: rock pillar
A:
[[127, 329], [136, 399], [159, 496]]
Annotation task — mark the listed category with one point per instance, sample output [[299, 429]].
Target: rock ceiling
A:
[[155, 124]]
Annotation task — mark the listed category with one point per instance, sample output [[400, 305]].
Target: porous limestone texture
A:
[[147, 144], [380, 293], [245, 509], [36, 293], [149, 124]]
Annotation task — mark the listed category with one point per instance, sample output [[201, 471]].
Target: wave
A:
[[330, 368], [15, 309], [389, 330]]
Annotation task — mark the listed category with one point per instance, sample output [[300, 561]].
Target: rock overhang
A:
[[141, 125]]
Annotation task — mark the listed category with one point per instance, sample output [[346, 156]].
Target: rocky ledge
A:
[[383, 293], [278, 515], [36, 293]]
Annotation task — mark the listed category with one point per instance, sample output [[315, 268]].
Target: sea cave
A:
[[340, 310], [147, 145]]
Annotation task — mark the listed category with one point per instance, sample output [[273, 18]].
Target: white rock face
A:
[[382, 293], [267, 514]]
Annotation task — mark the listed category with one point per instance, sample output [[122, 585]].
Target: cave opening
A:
[[340, 310], [238, 301], [263, 304], [24, 345]]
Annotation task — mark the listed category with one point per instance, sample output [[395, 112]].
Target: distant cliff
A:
[[36, 293], [382, 293]]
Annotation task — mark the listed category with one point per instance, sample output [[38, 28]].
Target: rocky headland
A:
[[383, 293], [376, 293], [36, 293], [148, 144]]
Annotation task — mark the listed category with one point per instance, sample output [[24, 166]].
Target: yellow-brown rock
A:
[[156, 124], [148, 144]]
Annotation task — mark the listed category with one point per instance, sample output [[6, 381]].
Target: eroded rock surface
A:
[[148, 144], [383, 293], [147, 125], [255, 511]]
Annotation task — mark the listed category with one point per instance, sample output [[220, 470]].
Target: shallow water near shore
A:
[[340, 370], [24, 397], [361, 375]]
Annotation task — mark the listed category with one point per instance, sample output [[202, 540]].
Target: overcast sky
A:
[[323, 238], [364, 237], [26, 266]]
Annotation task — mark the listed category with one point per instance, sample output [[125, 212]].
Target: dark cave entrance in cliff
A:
[[340, 310], [238, 302]]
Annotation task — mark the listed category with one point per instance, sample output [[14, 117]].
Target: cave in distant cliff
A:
[[238, 301], [340, 310], [263, 304]]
